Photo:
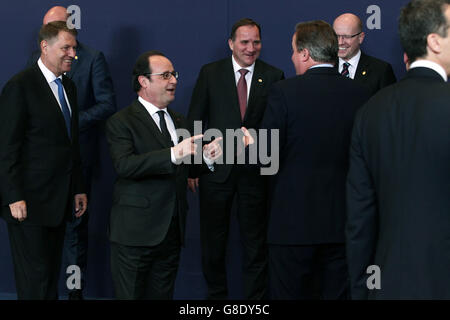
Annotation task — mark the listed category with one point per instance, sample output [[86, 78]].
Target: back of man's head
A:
[[319, 38], [56, 13], [418, 19]]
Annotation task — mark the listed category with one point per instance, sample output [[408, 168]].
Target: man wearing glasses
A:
[[353, 63], [149, 203]]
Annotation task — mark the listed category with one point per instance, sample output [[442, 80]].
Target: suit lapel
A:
[[50, 99], [143, 116], [72, 101], [363, 68], [256, 88]]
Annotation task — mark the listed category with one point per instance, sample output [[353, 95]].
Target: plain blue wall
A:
[[191, 33]]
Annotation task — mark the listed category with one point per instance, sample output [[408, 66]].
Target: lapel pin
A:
[[76, 57], [364, 73], [260, 80]]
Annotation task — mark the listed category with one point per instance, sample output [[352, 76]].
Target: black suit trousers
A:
[[215, 209], [36, 253], [147, 273], [308, 272]]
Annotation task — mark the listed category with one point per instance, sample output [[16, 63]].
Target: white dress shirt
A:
[[153, 111], [50, 77], [353, 64], [248, 76], [431, 65]]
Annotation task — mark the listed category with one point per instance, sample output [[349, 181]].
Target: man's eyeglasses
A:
[[165, 75], [348, 37]]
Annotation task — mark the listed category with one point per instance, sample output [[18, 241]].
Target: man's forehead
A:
[[247, 31], [160, 64]]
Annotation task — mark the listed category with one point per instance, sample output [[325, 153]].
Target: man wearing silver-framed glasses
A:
[[355, 64]]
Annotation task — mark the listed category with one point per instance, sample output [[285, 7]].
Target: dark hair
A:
[[319, 38], [417, 20], [241, 23], [51, 30], [142, 66]]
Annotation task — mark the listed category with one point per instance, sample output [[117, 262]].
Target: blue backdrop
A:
[[191, 33]]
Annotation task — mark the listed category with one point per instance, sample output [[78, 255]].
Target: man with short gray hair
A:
[[307, 204]]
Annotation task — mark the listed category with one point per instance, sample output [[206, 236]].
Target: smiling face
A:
[[155, 89], [348, 25], [57, 53], [246, 46]]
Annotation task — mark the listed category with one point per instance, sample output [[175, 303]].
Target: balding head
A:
[[348, 28], [56, 13]]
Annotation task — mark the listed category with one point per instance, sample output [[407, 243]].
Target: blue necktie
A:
[[64, 107]]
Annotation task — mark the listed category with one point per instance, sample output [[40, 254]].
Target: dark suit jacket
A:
[[374, 73], [307, 199], [149, 188], [96, 97], [215, 101], [38, 161], [398, 190]]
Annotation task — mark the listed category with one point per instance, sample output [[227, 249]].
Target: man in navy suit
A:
[[40, 166], [96, 101], [314, 115], [398, 184], [355, 64]]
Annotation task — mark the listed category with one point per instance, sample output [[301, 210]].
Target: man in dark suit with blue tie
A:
[[96, 101], [40, 166], [398, 186], [313, 113]]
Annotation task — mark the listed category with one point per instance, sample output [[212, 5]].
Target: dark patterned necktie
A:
[[242, 92], [163, 126], [345, 71]]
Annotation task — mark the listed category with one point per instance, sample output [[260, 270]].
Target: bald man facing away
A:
[[355, 64]]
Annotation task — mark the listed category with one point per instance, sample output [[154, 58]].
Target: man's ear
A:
[[304, 55], [143, 81], [434, 43], [44, 45], [361, 37], [230, 44]]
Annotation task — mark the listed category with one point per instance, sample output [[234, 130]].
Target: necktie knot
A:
[[243, 72]]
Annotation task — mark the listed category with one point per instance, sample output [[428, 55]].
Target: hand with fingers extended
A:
[[213, 150], [186, 148], [19, 210]]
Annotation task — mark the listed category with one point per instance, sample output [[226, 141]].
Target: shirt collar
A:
[[353, 61], [322, 65], [431, 65], [49, 76], [150, 107], [237, 67]]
